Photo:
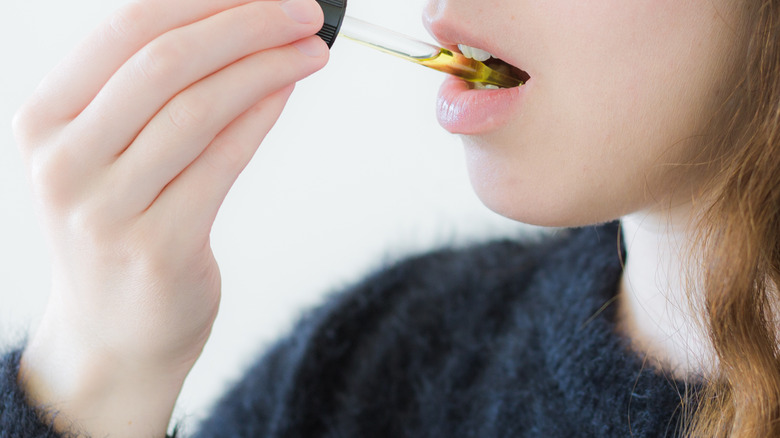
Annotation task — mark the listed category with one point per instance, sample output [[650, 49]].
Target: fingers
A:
[[66, 91], [197, 193], [183, 56], [181, 131]]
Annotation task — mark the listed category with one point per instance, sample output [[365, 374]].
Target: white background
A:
[[356, 171]]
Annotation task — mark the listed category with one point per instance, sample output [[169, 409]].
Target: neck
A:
[[656, 309]]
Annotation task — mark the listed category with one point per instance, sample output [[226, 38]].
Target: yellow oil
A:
[[455, 64], [468, 69]]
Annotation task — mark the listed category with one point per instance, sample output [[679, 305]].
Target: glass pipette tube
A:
[[423, 53]]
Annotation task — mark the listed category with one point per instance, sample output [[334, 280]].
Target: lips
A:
[[465, 108]]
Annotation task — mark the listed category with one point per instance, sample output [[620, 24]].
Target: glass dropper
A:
[[336, 22], [422, 53]]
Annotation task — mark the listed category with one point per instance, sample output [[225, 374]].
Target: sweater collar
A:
[[590, 362]]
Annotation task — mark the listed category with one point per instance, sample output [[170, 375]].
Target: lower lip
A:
[[464, 111]]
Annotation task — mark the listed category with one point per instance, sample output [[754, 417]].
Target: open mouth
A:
[[495, 64]]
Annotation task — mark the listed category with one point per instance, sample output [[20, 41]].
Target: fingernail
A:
[[302, 11], [312, 46]]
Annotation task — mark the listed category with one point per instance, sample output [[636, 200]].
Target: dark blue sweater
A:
[[497, 340]]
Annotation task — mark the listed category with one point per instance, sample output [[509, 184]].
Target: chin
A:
[[544, 205]]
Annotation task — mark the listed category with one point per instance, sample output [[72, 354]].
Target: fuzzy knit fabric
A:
[[503, 339]]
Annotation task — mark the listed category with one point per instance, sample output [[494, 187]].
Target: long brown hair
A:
[[739, 244]]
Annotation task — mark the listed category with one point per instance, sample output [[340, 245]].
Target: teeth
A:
[[474, 53], [480, 55], [481, 86], [465, 50]]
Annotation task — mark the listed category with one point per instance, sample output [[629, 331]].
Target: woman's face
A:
[[618, 91]]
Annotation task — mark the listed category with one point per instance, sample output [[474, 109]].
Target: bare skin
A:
[[131, 144], [653, 305]]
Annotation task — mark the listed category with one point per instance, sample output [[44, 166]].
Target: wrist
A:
[[92, 392]]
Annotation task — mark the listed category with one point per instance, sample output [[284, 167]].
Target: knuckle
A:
[[159, 59], [86, 222], [154, 260], [46, 170], [50, 177], [94, 227], [188, 112], [150, 255], [227, 155], [22, 128], [128, 21], [28, 126]]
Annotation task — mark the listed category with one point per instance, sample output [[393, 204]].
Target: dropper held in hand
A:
[[402, 46]]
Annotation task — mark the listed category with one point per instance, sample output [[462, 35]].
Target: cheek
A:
[[617, 99], [627, 74]]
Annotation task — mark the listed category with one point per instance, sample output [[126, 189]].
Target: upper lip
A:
[[449, 36]]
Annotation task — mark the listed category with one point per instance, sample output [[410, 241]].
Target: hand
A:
[[132, 143]]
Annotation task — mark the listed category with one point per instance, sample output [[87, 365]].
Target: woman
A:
[[662, 114]]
